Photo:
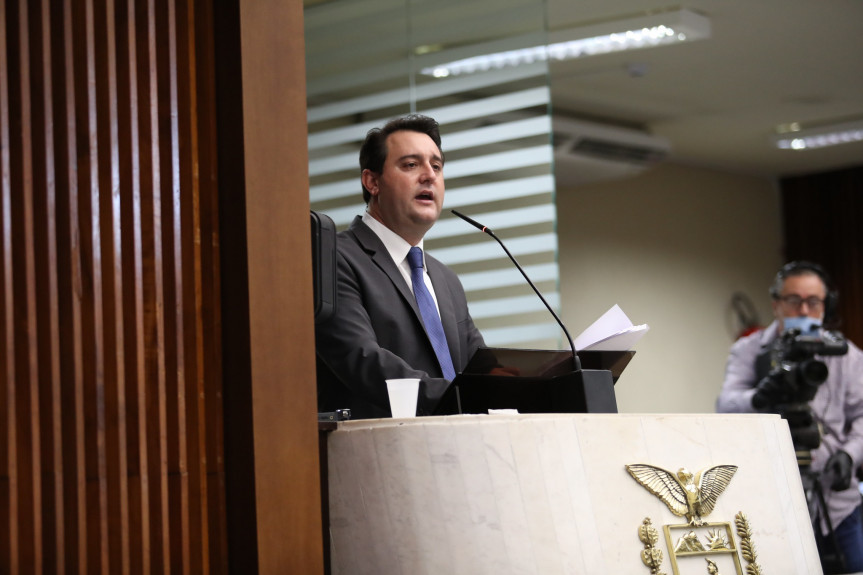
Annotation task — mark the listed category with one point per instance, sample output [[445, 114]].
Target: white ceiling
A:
[[768, 62]]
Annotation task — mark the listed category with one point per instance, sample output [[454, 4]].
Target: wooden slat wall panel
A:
[[8, 423], [208, 486], [111, 457], [821, 216], [16, 498]]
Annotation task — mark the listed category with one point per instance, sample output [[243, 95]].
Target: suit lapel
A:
[[372, 244]]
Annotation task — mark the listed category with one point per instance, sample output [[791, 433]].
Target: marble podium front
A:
[[548, 494]]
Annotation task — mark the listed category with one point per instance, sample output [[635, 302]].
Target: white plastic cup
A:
[[403, 396]]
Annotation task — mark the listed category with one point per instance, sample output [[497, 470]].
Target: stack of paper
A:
[[611, 332]]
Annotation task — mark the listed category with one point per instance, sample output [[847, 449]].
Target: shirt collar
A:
[[770, 333], [396, 245]]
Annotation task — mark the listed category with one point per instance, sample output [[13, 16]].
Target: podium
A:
[[537, 381], [550, 494]]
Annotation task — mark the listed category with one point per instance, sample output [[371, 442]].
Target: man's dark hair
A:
[[373, 153]]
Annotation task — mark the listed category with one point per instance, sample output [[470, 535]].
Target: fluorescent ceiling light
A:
[[592, 40], [820, 137]]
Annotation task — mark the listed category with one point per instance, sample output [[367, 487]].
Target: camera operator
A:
[[795, 368]]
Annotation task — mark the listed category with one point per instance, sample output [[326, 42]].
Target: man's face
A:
[[407, 196], [801, 295]]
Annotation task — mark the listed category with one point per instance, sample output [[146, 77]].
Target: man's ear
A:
[[370, 181]]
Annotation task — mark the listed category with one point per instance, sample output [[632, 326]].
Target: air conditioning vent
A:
[[589, 152], [617, 151]]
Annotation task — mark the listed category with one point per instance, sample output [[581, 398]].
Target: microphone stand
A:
[[575, 359]]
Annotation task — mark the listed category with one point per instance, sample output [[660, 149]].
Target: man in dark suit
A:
[[380, 331]]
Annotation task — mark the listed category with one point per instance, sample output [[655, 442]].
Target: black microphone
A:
[[575, 359]]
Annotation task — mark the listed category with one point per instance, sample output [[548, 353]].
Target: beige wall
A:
[[670, 246]]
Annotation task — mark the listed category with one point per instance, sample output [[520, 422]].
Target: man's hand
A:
[[838, 471], [769, 391]]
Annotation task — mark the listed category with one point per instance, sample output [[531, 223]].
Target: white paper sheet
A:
[[613, 331]]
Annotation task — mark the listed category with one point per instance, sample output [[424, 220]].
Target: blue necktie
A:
[[431, 318]]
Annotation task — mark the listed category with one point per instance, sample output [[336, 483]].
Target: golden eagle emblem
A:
[[685, 495]]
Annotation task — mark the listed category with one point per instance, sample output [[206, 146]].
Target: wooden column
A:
[[280, 287], [273, 487]]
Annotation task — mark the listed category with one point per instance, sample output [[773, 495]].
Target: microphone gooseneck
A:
[[575, 359]]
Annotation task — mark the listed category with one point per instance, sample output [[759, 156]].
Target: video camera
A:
[[793, 381], [796, 376]]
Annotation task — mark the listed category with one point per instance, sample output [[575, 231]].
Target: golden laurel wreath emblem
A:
[[693, 496]]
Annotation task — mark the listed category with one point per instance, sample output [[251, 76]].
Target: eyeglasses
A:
[[795, 301]]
